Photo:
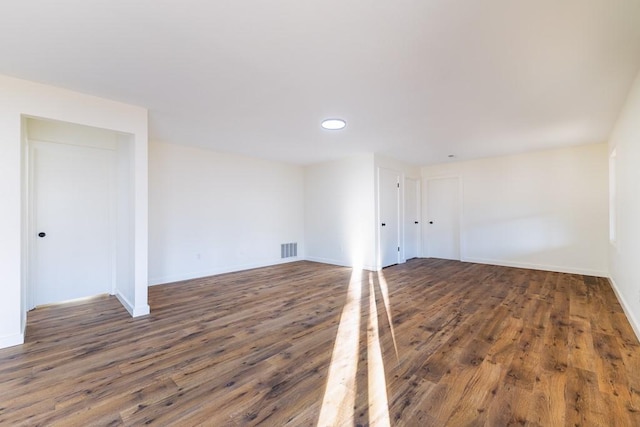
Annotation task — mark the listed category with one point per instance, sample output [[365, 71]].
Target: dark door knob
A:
[[383, 224], [430, 222], [415, 222], [41, 234]]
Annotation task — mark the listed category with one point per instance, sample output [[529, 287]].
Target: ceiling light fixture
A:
[[333, 124]]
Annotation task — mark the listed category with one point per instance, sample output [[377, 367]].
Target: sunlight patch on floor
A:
[[340, 394], [384, 290], [378, 404]]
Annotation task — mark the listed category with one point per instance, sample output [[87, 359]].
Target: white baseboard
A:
[[11, 340], [141, 310], [213, 272], [543, 267], [222, 270], [338, 262], [625, 306], [328, 261], [134, 311]]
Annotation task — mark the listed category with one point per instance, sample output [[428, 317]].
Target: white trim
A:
[[544, 267], [613, 204], [418, 196], [625, 306], [30, 224], [328, 261], [125, 302], [133, 311], [12, 340], [205, 273], [141, 311], [340, 263]]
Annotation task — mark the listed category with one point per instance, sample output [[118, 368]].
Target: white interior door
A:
[[443, 218], [72, 210], [411, 218], [389, 199]]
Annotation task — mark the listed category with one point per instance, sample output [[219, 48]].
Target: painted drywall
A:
[[405, 169], [624, 254], [125, 285], [339, 214], [545, 210], [22, 98], [69, 133], [212, 213]]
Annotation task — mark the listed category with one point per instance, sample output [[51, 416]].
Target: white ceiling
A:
[[415, 80]]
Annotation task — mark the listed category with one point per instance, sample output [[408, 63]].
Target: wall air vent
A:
[[288, 250]]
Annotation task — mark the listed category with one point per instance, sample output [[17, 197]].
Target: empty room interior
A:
[[320, 213]]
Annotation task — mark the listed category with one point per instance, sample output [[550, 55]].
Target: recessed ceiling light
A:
[[333, 124]]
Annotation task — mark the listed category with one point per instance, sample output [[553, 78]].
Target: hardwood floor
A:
[[450, 344]]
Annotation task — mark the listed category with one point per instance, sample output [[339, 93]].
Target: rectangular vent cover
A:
[[288, 250]]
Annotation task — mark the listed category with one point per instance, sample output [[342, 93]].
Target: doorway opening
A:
[[78, 198]]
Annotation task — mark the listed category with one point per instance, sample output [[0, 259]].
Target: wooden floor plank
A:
[[460, 344], [548, 402]]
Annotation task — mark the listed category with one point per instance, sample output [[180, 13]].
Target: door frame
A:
[[418, 196], [32, 228], [400, 216], [425, 214]]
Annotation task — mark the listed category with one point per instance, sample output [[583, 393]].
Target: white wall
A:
[[545, 210], [211, 213], [125, 225], [408, 171], [339, 216], [22, 98], [625, 253]]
